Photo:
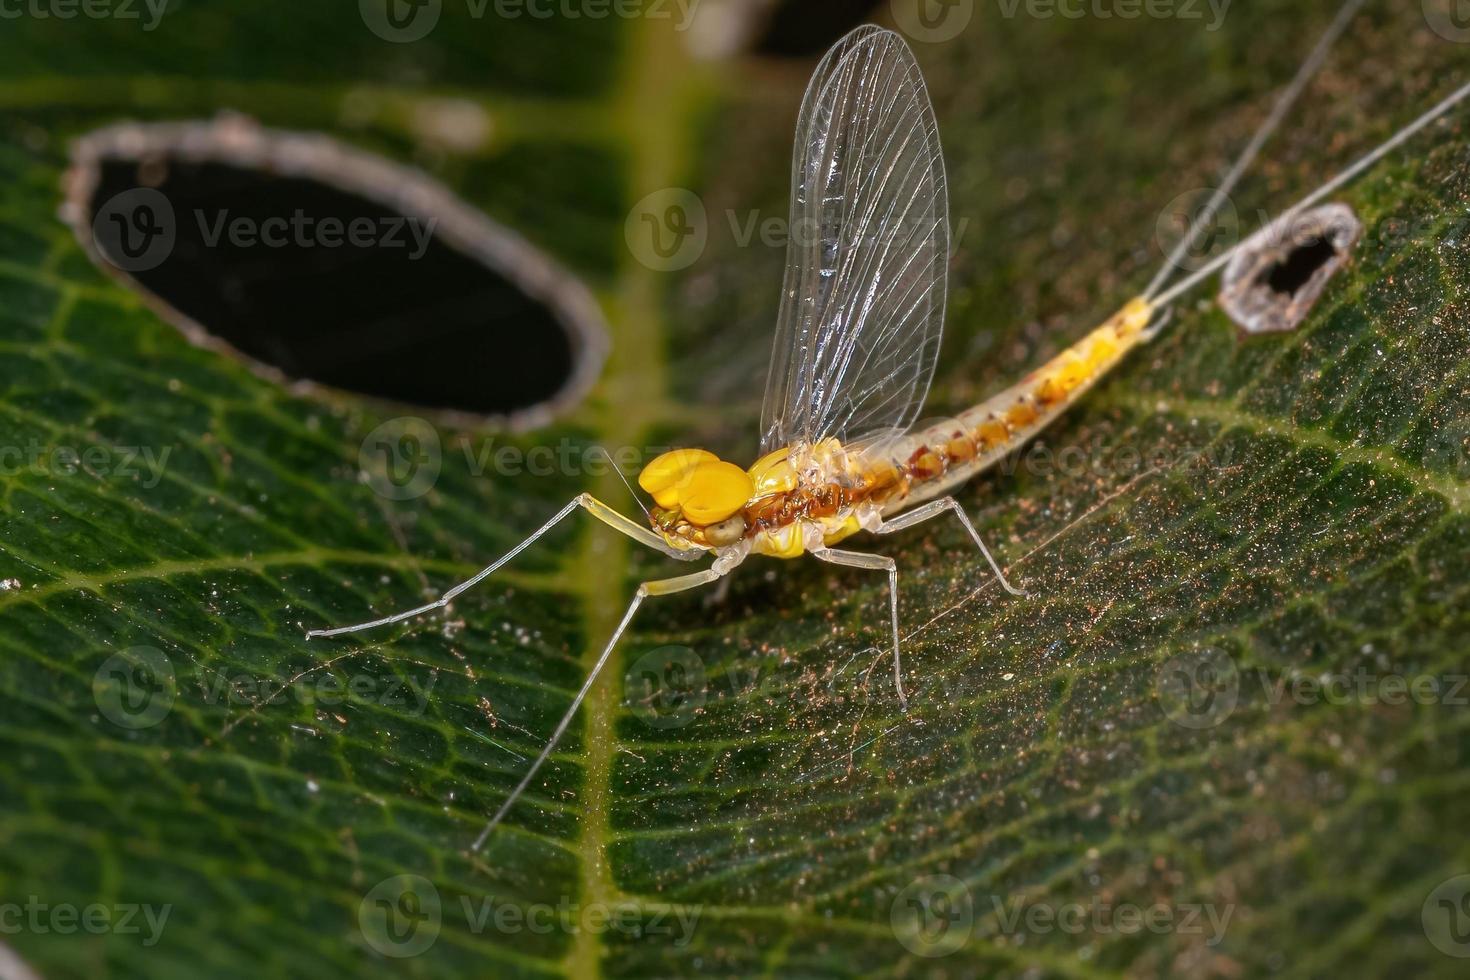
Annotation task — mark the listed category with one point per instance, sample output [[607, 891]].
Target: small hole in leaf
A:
[[1277, 276], [325, 265], [1301, 263]]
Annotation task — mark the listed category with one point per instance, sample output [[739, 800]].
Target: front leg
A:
[[857, 559], [618, 522], [667, 586]]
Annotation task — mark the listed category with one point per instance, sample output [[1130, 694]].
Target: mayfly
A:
[[857, 341]]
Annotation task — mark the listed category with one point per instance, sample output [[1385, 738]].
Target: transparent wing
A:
[[862, 307]]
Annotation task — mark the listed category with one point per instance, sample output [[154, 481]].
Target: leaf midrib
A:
[[656, 114]]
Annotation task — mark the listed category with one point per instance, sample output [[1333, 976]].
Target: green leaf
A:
[[1218, 527]]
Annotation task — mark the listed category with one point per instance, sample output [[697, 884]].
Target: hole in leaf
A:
[[1277, 276], [800, 28], [1301, 263], [325, 265]]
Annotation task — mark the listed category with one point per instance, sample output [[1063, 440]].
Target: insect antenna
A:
[[1264, 132], [631, 492], [1355, 170]]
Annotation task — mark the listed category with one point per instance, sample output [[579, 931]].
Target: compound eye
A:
[[714, 492], [665, 477]]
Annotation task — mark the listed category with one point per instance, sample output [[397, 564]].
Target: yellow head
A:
[[699, 496]]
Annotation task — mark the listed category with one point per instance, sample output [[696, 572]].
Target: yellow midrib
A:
[[652, 107]]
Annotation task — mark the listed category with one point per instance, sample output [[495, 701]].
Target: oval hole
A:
[[1272, 282], [800, 28], [323, 264]]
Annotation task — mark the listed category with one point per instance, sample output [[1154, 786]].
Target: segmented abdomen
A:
[[928, 463]]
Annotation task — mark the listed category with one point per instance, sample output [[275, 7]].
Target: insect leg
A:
[[931, 510], [667, 586], [857, 559], [586, 501]]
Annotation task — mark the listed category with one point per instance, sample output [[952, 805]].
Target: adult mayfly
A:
[[857, 341]]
